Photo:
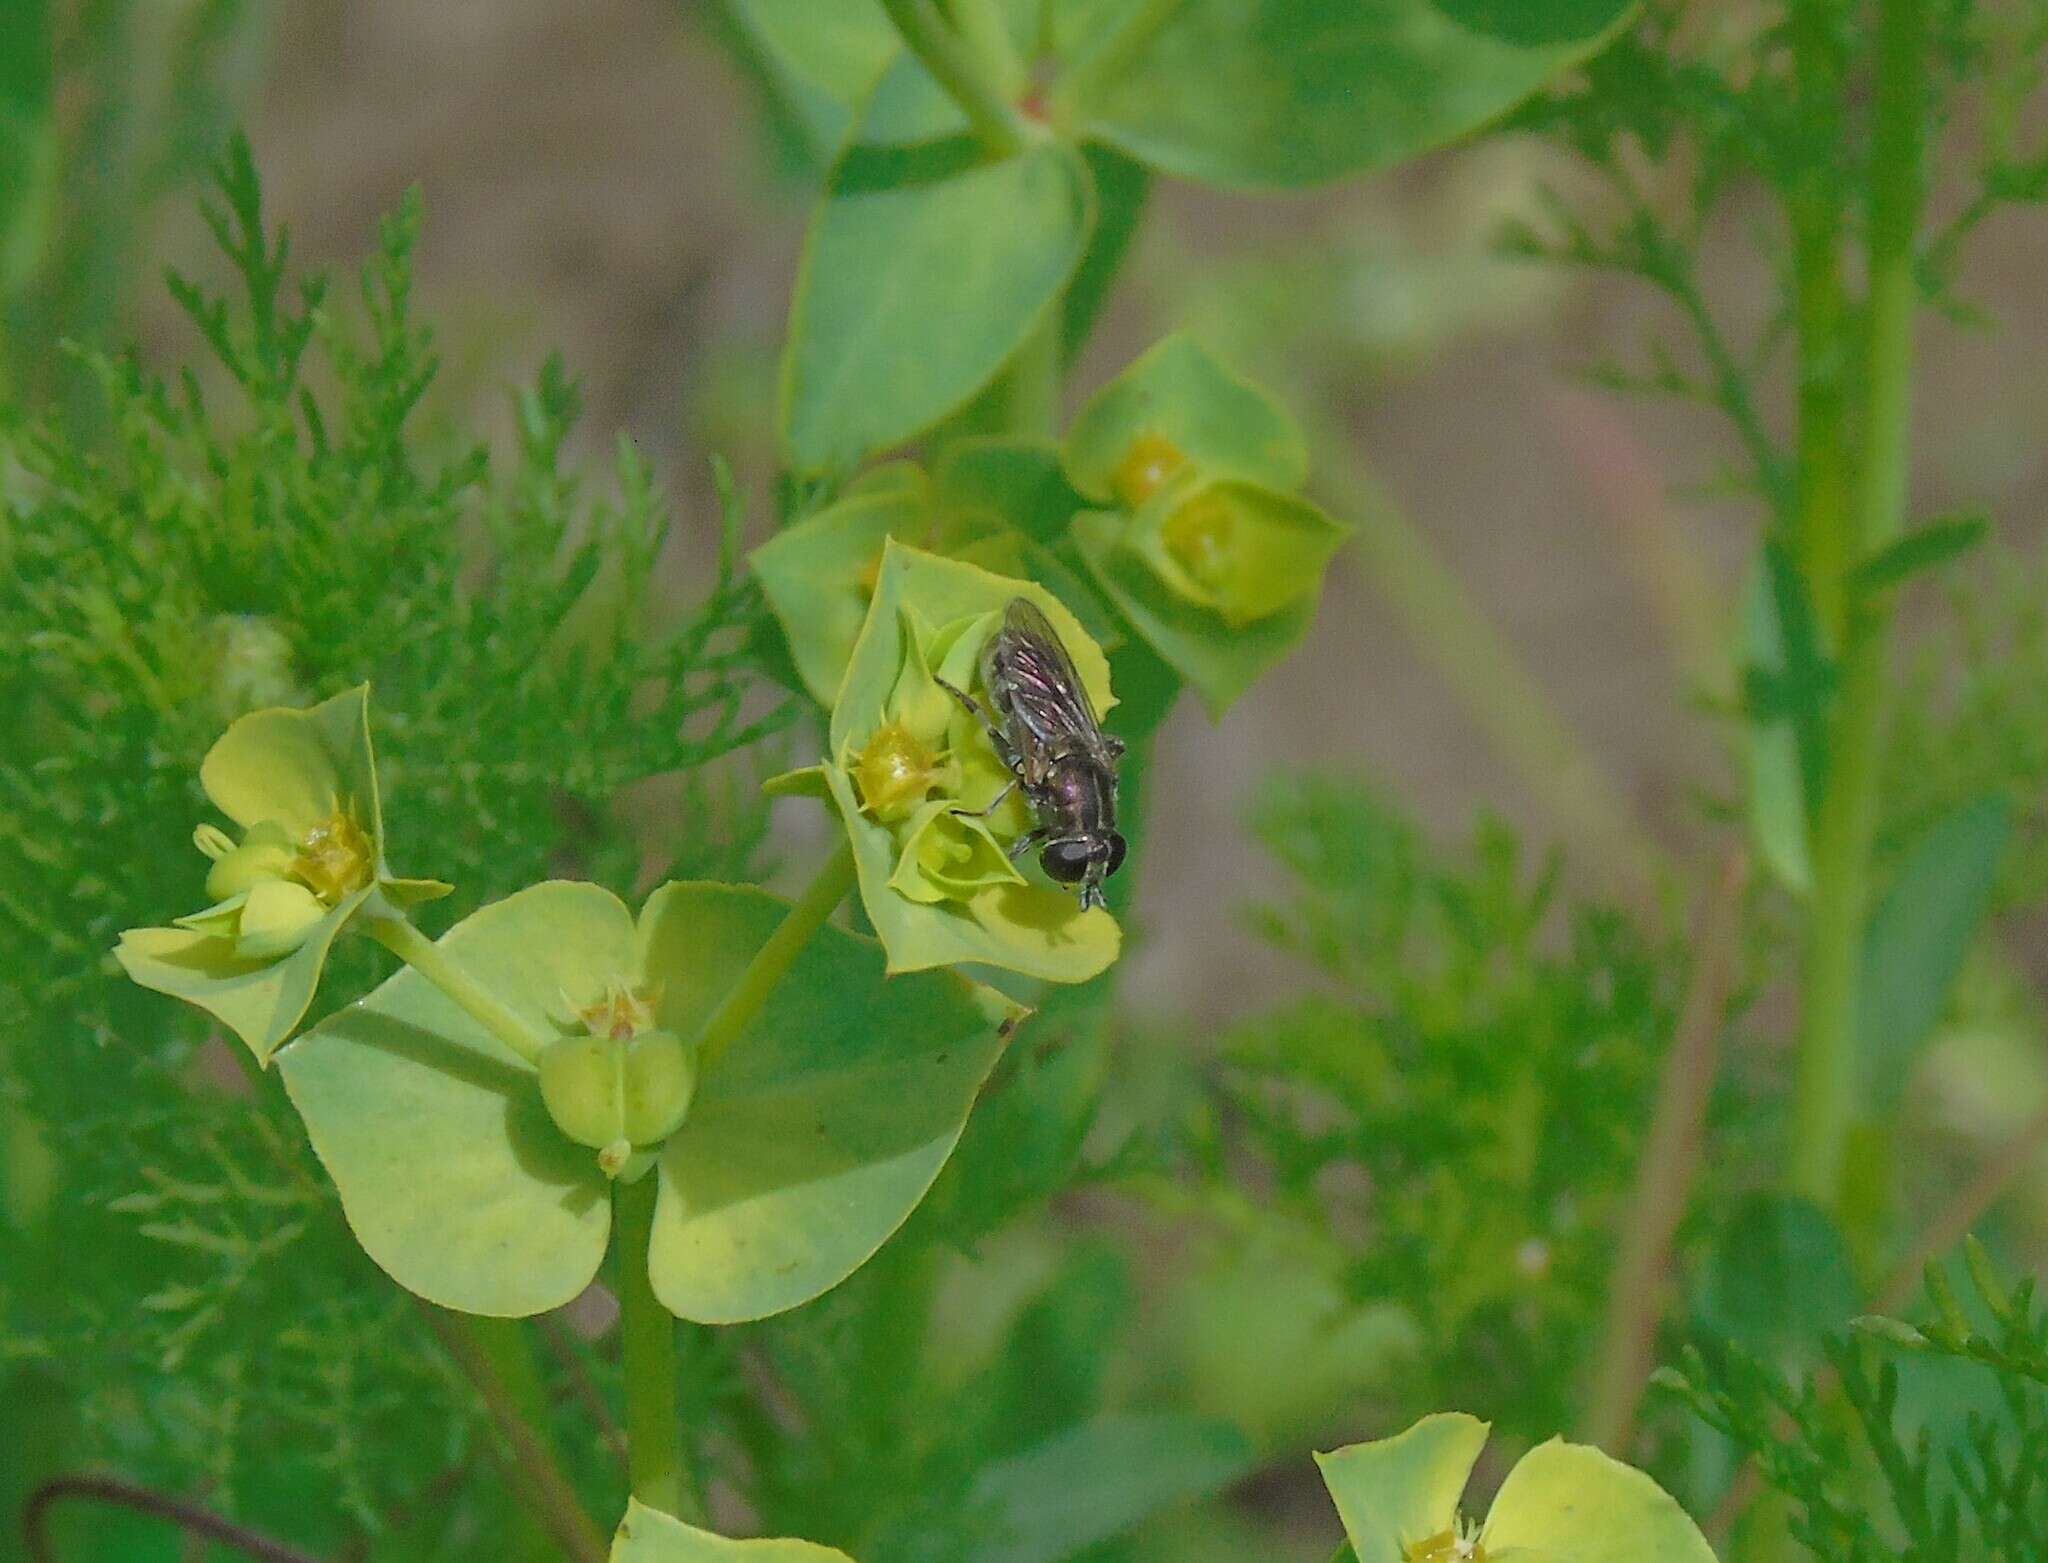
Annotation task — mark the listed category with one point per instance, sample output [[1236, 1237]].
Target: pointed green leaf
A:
[[1568, 1503], [1923, 548], [260, 1000], [1773, 749], [1778, 1278], [451, 1173], [1283, 93], [1180, 398], [1918, 939], [1403, 1489], [920, 226], [649, 1536], [818, 1132], [1219, 662]]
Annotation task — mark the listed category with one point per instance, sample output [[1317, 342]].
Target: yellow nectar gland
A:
[[896, 772], [335, 858], [1460, 1544], [1202, 535], [871, 575], [1146, 468], [622, 1013]]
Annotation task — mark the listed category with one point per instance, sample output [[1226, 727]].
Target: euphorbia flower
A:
[[302, 787], [478, 1174], [1562, 1503], [1201, 538], [912, 773]]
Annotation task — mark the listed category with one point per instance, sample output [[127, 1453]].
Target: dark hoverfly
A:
[[1045, 731]]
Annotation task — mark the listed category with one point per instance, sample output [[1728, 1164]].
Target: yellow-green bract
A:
[[1562, 1503], [807, 1142], [650, 1536], [908, 768], [302, 785]]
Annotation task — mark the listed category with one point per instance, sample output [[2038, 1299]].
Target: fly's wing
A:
[[1030, 673]]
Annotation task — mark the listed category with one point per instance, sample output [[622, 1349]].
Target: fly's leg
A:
[[979, 712], [994, 803], [1026, 842]]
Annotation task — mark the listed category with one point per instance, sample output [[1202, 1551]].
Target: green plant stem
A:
[[773, 960], [1824, 1106], [538, 1480], [959, 70], [1111, 58], [1820, 314], [477, 1001], [1509, 706], [980, 24], [660, 1477]]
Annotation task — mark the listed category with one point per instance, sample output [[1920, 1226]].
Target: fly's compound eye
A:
[[1065, 862], [1116, 853]]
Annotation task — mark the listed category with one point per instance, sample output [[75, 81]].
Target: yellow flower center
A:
[[1456, 1545], [623, 1012], [1201, 535], [896, 772], [1145, 469], [335, 858]]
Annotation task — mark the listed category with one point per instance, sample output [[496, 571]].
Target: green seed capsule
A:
[[601, 1090]]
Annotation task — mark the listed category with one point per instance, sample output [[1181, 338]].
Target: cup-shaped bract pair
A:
[[301, 786], [1562, 1503], [998, 502], [1200, 536], [916, 780], [479, 1177]]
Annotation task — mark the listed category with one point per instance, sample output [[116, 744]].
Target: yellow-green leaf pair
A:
[[909, 770], [302, 788], [1563, 1503], [481, 1180]]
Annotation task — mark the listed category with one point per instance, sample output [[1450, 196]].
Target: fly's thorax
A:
[[1078, 796]]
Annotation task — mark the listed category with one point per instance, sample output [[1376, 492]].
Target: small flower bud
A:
[[1146, 468], [267, 852], [276, 919], [1202, 536]]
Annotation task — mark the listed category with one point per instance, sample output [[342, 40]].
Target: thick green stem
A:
[[773, 960], [983, 27], [1821, 316], [660, 1477], [1111, 58], [477, 1001], [958, 68], [1825, 1103]]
